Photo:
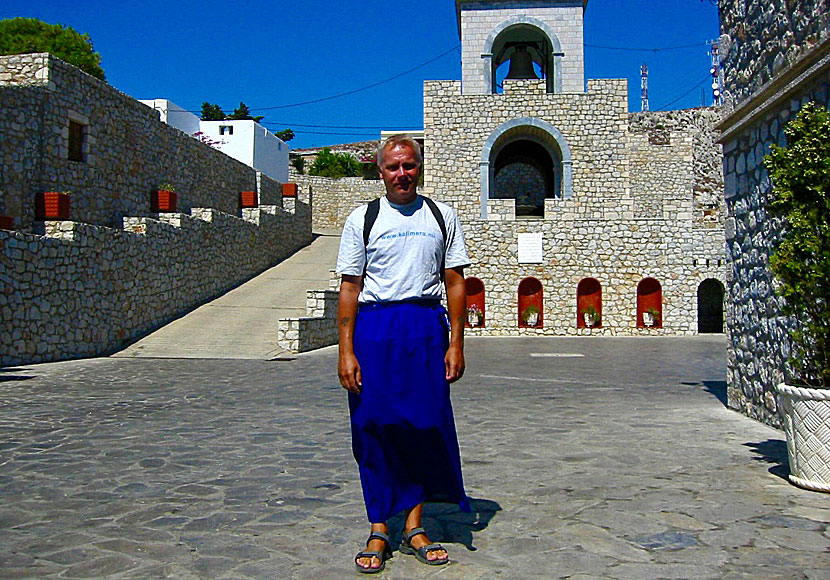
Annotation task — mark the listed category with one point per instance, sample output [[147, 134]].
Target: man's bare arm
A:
[[457, 308], [348, 369]]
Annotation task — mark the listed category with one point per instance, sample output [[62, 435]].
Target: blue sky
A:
[[278, 53]]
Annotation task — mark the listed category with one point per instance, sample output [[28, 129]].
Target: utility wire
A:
[[703, 80], [364, 88], [292, 125], [635, 49]]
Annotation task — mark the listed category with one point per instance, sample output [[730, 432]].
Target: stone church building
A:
[[572, 205]]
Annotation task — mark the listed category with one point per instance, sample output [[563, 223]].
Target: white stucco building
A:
[[246, 140]]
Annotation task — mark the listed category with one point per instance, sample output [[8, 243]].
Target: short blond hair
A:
[[399, 140]]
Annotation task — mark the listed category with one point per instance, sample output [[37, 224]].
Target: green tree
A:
[[211, 112], [328, 164], [286, 135], [27, 35], [298, 163], [800, 174], [243, 113]]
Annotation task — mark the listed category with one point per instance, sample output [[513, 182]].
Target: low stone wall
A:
[[317, 329], [334, 199], [79, 290]]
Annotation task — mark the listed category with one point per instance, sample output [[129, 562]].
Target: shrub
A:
[[800, 174], [336, 165]]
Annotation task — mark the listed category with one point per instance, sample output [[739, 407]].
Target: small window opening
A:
[[226, 129], [77, 137]]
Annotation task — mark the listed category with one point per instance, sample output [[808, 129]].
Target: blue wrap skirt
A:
[[403, 430]]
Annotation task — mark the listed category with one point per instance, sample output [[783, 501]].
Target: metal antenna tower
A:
[[717, 76], [644, 87]]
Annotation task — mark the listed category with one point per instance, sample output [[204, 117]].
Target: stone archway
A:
[[538, 150]]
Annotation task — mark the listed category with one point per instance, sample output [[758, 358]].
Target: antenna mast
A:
[[717, 76]]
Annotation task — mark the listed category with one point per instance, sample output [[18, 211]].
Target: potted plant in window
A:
[[530, 316], [52, 205], [651, 317], [800, 173], [591, 317], [164, 199], [475, 317]]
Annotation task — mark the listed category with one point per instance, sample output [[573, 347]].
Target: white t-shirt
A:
[[404, 251]]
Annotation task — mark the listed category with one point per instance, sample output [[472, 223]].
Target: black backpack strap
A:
[[439, 217], [369, 220]]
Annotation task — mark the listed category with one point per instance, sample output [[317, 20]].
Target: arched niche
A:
[[526, 151], [539, 40], [649, 301], [710, 294], [531, 302], [475, 302], [589, 300]]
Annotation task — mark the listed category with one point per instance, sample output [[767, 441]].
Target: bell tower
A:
[[521, 39]]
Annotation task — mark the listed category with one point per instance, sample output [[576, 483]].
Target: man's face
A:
[[400, 171]]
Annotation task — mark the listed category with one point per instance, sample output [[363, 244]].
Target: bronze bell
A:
[[521, 64]]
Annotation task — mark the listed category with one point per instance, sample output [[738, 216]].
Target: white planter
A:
[[648, 319], [806, 416], [589, 320], [532, 319]]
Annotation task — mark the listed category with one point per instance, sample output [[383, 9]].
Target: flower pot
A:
[[532, 319], [52, 205], [289, 190], [248, 199], [6, 222], [806, 416], [589, 319], [648, 319], [164, 201]]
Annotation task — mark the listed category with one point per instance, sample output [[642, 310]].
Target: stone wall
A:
[[90, 286], [771, 73], [761, 38], [334, 199], [646, 202], [85, 290], [128, 152]]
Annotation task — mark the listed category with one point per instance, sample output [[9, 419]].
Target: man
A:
[[396, 360]]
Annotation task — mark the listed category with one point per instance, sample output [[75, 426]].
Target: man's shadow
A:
[[445, 522]]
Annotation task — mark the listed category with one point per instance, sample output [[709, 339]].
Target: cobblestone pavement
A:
[[586, 458]]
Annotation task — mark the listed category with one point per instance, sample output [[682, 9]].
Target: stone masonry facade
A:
[[116, 271], [646, 201], [776, 58], [334, 199], [478, 20]]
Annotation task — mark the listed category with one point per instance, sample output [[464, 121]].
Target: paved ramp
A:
[[242, 324]]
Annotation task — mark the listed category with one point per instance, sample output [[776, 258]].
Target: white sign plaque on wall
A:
[[530, 249]]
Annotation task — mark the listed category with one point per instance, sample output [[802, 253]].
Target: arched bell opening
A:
[[523, 48], [589, 303], [649, 304], [710, 306], [531, 302], [475, 302]]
